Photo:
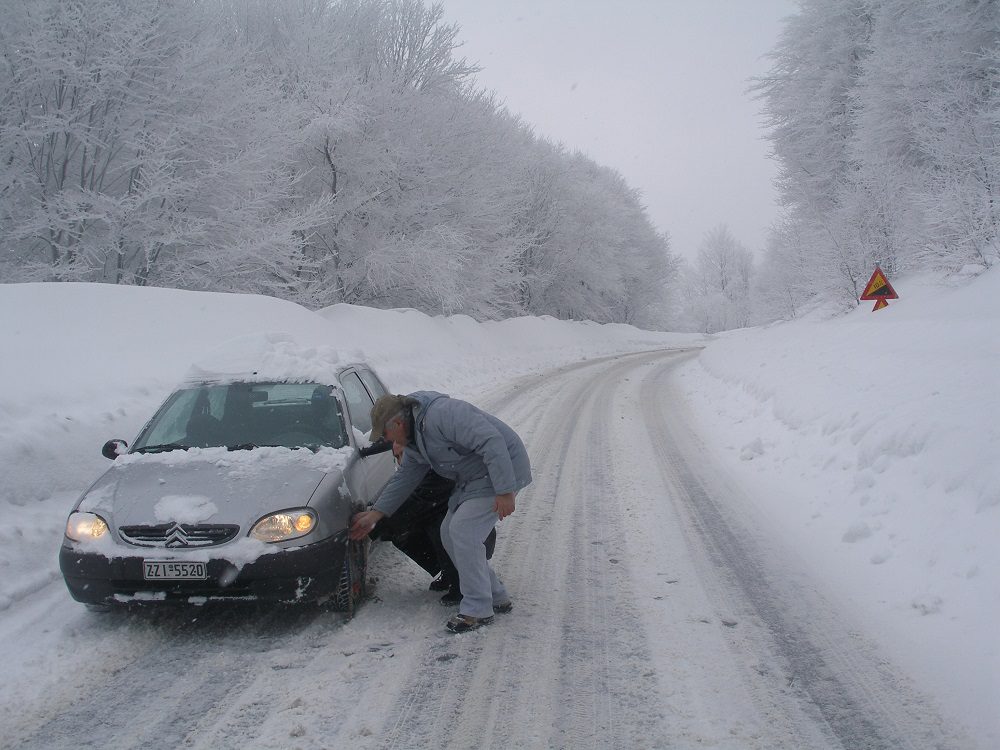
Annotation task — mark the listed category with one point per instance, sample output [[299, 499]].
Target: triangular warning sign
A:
[[880, 303], [878, 287]]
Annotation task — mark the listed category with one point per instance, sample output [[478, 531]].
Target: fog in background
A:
[[656, 90]]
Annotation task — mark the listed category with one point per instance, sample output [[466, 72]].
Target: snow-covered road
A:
[[651, 611]]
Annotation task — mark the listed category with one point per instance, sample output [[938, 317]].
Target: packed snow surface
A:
[[867, 442], [184, 509], [872, 441]]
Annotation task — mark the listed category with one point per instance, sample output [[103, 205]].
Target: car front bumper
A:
[[300, 574]]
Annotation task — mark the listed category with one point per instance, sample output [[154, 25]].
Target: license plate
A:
[[168, 570]]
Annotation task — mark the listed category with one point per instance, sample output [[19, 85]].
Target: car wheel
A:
[[353, 585]]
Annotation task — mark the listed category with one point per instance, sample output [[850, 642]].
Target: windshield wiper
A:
[[162, 448], [242, 447], [251, 446]]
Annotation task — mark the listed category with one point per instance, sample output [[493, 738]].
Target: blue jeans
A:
[[463, 531]]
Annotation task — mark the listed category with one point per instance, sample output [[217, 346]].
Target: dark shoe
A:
[[502, 609], [453, 597], [440, 584], [465, 623]]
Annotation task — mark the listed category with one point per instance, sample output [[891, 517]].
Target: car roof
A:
[[206, 377]]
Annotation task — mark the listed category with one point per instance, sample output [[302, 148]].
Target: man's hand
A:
[[362, 523], [504, 505]]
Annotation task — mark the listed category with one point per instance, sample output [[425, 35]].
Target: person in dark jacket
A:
[[415, 529], [489, 465]]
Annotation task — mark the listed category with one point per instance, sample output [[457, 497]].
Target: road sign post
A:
[[879, 289]]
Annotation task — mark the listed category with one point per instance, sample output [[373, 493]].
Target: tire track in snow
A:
[[174, 693], [570, 658], [434, 707], [840, 680], [604, 652]]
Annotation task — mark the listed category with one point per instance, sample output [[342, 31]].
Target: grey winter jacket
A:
[[463, 443]]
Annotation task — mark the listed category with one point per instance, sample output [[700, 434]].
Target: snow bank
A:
[[873, 440], [82, 363]]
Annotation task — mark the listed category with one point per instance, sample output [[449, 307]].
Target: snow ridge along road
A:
[[651, 611]]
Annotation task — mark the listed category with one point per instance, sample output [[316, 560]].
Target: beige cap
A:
[[385, 408]]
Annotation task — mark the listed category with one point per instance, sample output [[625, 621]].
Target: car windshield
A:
[[246, 416]]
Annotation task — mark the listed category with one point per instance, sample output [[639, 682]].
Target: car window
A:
[[374, 385], [359, 403], [291, 415], [169, 425]]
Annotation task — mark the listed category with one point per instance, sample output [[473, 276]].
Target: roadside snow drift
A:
[[873, 442]]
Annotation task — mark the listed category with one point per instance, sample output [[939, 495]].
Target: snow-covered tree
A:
[[717, 287], [924, 145], [884, 122], [322, 151], [130, 155]]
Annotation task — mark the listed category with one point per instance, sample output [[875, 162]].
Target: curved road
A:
[[651, 611]]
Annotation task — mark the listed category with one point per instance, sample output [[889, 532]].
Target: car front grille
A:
[[178, 535]]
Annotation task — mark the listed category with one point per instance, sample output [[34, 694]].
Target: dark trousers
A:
[[415, 529]]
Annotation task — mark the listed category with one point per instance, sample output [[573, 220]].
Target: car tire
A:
[[353, 585]]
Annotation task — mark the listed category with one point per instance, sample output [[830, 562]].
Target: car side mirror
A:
[[114, 448]]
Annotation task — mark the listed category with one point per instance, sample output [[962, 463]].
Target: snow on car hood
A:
[[209, 485]]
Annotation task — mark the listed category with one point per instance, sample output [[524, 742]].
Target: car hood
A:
[[206, 486]]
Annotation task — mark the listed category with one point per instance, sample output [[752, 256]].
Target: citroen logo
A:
[[176, 537]]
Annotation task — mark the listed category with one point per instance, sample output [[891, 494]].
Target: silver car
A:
[[236, 489]]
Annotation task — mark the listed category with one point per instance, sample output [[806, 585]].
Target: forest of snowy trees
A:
[[885, 120], [884, 117], [321, 151], [329, 151]]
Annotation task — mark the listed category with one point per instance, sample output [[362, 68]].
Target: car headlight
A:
[[287, 524], [85, 527]]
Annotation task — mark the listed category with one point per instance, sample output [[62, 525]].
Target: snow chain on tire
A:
[[351, 588]]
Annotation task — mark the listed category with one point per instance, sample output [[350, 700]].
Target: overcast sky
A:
[[654, 88]]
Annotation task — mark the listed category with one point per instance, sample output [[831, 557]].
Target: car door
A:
[[372, 383], [376, 469], [376, 390]]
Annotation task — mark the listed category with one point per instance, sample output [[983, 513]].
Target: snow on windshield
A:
[[247, 463]]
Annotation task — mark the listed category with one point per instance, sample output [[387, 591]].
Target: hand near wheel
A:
[[362, 523]]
